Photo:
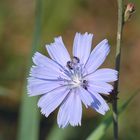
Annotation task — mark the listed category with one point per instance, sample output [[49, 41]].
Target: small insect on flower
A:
[[66, 82]]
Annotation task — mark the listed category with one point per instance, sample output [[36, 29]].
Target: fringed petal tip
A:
[[82, 46], [64, 126], [58, 51]]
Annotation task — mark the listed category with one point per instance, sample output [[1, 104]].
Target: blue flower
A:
[[67, 83]]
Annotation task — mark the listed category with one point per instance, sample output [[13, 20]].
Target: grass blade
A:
[[29, 116]]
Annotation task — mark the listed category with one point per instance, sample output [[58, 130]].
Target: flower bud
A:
[[130, 9]]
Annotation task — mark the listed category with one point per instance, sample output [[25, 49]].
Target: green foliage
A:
[[29, 120], [29, 115]]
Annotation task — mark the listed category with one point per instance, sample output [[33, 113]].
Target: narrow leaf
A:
[[29, 115]]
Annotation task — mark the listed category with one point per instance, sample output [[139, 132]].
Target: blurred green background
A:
[[19, 31]]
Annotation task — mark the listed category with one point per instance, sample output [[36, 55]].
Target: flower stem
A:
[[117, 66]]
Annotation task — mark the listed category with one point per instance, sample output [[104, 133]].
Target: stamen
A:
[[85, 84], [73, 64], [76, 74], [85, 81], [85, 87], [70, 65], [76, 60]]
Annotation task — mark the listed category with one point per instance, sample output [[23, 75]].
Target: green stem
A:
[[29, 116], [117, 66]]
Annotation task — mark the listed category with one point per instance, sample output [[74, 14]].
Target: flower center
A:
[[76, 81], [76, 73]]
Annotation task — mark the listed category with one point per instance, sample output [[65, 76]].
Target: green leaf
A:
[[100, 131]]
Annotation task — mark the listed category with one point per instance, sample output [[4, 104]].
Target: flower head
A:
[[66, 82]]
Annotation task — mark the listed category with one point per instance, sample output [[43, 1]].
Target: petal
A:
[[76, 110], [82, 46], [46, 68], [104, 75], [43, 61], [97, 56], [38, 86], [99, 103], [43, 73], [63, 114], [58, 52], [47, 74], [70, 111], [85, 96], [50, 101], [100, 87]]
